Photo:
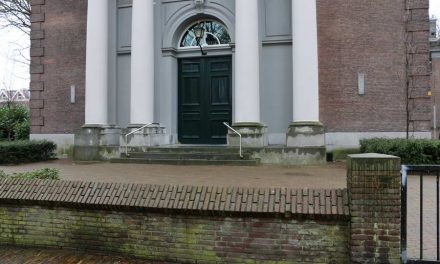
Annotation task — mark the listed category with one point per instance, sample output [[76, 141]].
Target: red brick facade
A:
[[419, 69], [58, 42], [385, 40]]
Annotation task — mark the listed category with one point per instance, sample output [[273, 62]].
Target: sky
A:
[[434, 8], [14, 68], [14, 72]]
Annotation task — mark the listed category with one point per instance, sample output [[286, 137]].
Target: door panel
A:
[[205, 99], [220, 90], [191, 91]]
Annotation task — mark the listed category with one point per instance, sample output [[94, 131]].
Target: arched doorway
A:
[[204, 86]]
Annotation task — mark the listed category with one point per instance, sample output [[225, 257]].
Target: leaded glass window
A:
[[215, 34]]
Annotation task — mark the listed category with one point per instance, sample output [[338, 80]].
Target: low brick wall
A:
[[175, 237], [178, 223], [189, 224]]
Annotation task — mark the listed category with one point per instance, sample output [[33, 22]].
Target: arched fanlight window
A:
[[214, 33]]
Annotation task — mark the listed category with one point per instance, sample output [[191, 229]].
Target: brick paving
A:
[[331, 176], [10, 255]]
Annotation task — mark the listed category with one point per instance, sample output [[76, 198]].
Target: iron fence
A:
[[422, 171]]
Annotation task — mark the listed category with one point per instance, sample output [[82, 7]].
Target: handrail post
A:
[[404, 173], [134, 131], [239, 135]]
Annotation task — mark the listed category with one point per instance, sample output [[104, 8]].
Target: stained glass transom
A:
[[215, 34]]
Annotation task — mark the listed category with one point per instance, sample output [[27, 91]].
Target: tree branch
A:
[[17, 14]]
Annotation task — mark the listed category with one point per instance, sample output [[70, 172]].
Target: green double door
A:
[[204, 100]]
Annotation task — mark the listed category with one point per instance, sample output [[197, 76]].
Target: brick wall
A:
[[174, 237], [194, 224], [178, 223], [36, 103], [57, 61], [370, 37], [418, 69], [374, 185]]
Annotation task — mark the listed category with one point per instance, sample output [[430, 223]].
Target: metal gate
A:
[[423, 222]]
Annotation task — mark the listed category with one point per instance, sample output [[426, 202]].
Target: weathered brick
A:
[[37, 52], [417, 4], [205, 238], [37, 17], [37, 2], [37, 34], [36, 104], [374, 191], [418, 25], [36, 86], [37, 121], [37, 69]]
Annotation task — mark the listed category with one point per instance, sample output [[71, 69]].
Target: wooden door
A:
[[205, 99]]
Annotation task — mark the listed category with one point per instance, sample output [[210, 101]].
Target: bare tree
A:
[[17, 14]]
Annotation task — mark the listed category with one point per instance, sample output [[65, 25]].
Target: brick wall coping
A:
[[281, 202]]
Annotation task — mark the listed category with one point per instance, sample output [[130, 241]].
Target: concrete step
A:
[[184, 155], [236, 162], [188, 149]]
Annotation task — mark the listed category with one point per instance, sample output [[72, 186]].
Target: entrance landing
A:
[[328, 176]]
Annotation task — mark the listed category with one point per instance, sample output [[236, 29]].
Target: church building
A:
[[303, 75]]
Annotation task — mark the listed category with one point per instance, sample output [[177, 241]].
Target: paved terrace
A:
[[331, 176]]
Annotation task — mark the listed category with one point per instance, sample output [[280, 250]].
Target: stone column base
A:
[[154, 135], [253, 135], [96, 142], [305, 134]]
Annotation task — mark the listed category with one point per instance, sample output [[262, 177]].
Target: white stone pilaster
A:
[[305, 131], [305, 61], [96, 101], [247, 66], [142, 63]]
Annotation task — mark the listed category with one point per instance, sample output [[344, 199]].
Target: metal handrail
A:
[[236, 132], [132, 132]]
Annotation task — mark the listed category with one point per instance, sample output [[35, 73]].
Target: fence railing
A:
[[240, 151], [422, 171]]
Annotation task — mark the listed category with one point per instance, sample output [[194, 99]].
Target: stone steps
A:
[[186, 161], [183, 155], [187, 149], [188, 155]]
